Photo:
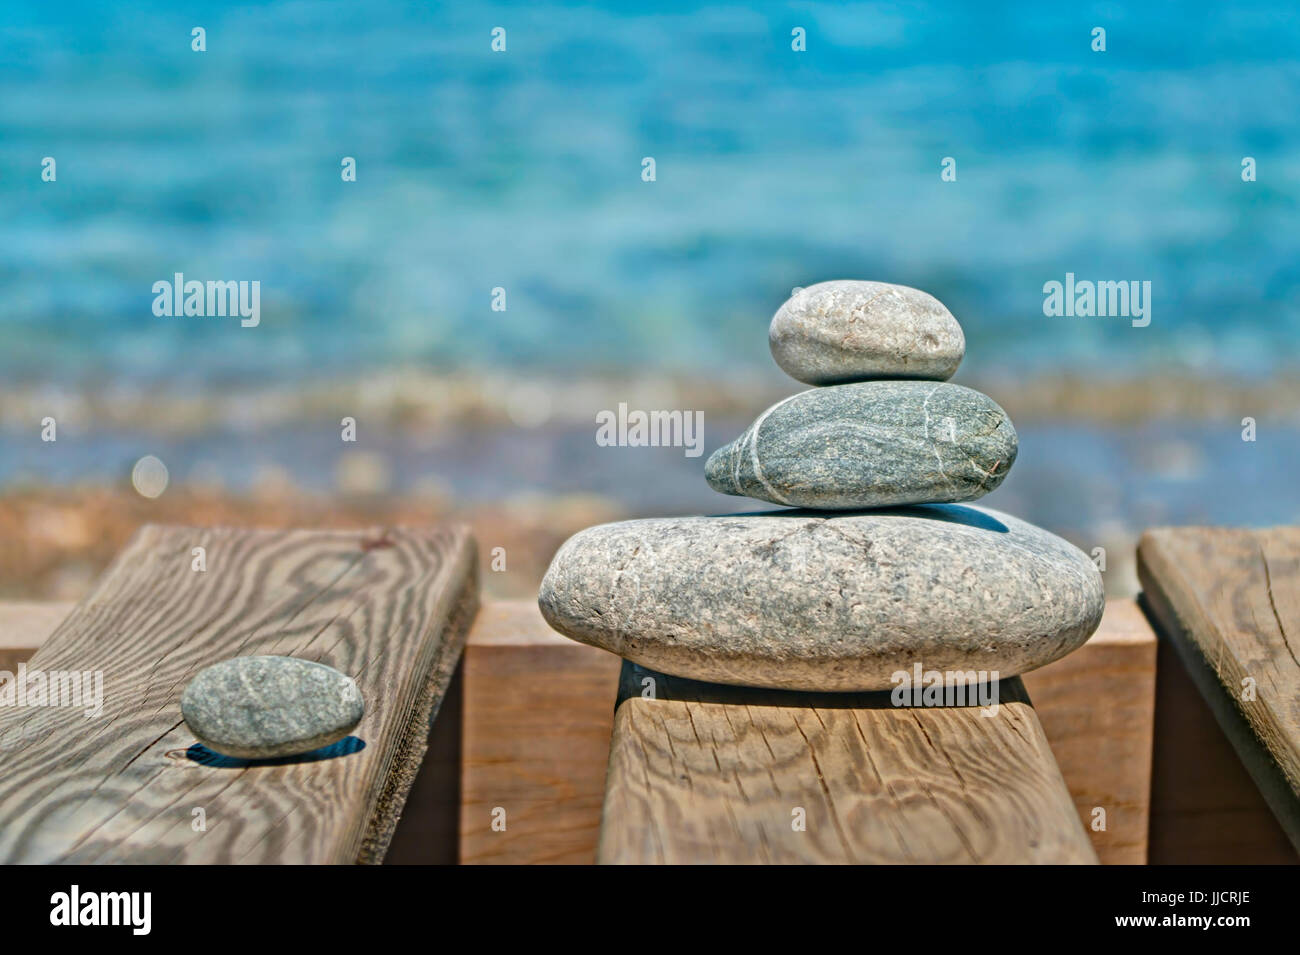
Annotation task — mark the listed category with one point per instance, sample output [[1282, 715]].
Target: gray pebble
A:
[[847, 330], [871, 444], [263, 707], [806, 601]]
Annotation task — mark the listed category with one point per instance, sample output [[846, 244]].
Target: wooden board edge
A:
[[1235, 724], [410, 750]]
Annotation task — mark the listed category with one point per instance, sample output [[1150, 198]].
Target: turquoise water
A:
[[522, 170]]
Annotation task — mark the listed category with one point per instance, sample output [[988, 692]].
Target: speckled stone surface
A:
[[263, 707], [847, 330], [807, 601], [871, 444]]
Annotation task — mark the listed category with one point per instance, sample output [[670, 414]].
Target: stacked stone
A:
[[876, 568]]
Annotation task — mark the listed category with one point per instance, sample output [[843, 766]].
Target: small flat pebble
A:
[[261, 707]]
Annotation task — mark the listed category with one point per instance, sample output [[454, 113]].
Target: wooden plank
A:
[[538, 713], [1097, 708], [24, 627], [388, 607], [549, 774], [555, 769], [713, 774], [1229, 601], [1205, 808]]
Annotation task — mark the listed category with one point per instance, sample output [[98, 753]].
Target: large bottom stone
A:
[[809, 601]]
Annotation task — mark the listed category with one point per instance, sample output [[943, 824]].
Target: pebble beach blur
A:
[[522, 171]]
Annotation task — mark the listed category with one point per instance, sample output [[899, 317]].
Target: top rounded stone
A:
[[846, 330]]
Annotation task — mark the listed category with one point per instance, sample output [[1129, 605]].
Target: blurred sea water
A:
[[522, 170]]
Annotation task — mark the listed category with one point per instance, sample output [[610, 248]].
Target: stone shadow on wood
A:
[[631, 685], [205, 757], [947, 513]]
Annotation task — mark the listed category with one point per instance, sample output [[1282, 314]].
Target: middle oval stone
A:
[[870, 444]]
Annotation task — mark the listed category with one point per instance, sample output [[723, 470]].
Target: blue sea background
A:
[[522, 170]]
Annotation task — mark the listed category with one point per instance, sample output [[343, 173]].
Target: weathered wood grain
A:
[[713, 774], [387, 607], [538, 713], [1229, 600], [549, 773], [1097, 708]]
